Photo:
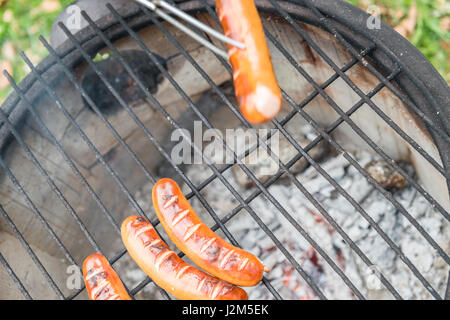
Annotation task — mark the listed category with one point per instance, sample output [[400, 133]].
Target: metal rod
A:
[[218, 35], [152, 5], [36, 211], [447, 291], [31, 253], [14, 277], [38, 165]]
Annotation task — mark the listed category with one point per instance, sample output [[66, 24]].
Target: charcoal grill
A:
[[71, 163]]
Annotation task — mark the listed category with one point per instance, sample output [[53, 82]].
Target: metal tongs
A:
[[155, 6]]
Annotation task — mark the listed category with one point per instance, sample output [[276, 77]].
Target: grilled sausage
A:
[[256, 87], [198, 242], [168, 270], [102, 282]]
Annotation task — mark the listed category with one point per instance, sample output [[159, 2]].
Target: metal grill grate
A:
[[283, 9]]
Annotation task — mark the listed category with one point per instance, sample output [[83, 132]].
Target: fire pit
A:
[[357, 208]]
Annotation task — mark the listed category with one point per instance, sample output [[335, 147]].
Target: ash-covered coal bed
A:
[[283, 276]]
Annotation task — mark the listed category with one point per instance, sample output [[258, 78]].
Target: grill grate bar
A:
[[121, 101], [99, 113], [350, 122], [447, 291], [14, 277], [53, 139], [37, 164], [31, 253], [292, 221], [37, 212], [144, 283], [341, 39]]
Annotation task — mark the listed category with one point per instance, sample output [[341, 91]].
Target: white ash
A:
[[263, 165], [284, 278]]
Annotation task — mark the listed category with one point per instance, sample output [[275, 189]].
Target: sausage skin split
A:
[[168, 270], [198, 242], [102, 282], [256, 87]]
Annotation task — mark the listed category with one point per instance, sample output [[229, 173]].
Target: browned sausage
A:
[[168, 270], [255, 84], [198, 242], [102, 282]]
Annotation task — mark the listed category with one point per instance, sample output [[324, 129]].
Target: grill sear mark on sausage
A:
[[191, 231], [162, 257], [170, 202], [243, 264], [180, 217], [207, 245], [100, 286], [92, 274], [153, 243], [142, 230], [200, 284], [225, 259], [217, 289], [182, 271]]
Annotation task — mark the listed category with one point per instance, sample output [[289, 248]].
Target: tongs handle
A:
[[153, 5]]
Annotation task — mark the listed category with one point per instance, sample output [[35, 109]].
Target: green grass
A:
[[23, 21], [428, 36]]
